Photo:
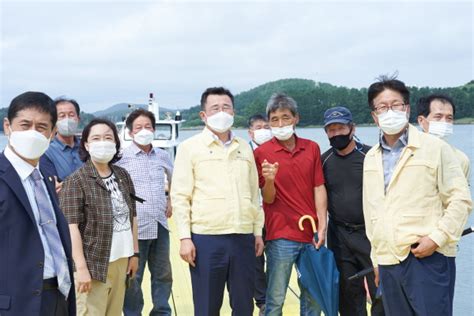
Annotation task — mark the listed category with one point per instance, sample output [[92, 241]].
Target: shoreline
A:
[[197, 128]]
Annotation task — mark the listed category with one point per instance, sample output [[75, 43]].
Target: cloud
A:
[[103, 52]]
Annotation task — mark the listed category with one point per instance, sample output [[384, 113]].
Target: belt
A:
[[348, 226], [50, 284]]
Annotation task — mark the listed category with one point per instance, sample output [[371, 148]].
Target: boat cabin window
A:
[[163, 131]]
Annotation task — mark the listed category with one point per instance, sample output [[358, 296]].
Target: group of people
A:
[[81, 218], [70, 237]]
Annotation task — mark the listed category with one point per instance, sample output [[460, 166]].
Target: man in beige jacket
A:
[[416, 203], [436, 116], [214, 194]]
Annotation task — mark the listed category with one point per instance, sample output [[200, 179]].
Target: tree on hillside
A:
[[314, 98]]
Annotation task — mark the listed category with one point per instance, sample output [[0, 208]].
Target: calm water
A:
[[464, 140]]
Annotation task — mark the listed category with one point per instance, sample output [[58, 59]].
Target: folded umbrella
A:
[[318, 274]]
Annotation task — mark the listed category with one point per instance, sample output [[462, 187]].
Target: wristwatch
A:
[[136, 254]]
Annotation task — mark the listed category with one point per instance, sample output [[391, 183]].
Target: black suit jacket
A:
[[21, 250]]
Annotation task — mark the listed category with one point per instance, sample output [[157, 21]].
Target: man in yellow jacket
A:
[[416, 202], [215, 199], [436, 117]]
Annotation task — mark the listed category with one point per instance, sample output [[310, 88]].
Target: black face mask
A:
[[340, 141]]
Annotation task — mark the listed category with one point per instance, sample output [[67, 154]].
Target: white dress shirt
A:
[[24, 170]]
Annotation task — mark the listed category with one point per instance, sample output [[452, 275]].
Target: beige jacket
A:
[[464, 161], [215, 188], [427, 196]]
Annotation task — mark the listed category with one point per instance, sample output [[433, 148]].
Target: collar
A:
[[410, 138], [253, 145], [403, 139], [210, 137], [358, 147], [21, 167], [89, 169], [278, 147], [63, 146], [137, 150]]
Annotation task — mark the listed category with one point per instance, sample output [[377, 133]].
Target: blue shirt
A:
[[148, 171], [64, 158], [391, 155]]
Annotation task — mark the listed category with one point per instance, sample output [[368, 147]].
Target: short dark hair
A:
[[63, 99], [385, 82], [215, 90], [423, 105], [254, 118], [281, 101], [135, 114], [33, 100], [84, 154]]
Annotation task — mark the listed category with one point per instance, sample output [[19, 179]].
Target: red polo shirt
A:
[[299, 173]]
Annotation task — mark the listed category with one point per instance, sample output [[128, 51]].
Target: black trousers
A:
[[260, 279], [53, 302], [352, 253]]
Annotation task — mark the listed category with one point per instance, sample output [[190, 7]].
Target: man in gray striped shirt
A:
[[147, 167]]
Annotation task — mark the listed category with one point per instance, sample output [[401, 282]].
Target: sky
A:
[[106, 52]]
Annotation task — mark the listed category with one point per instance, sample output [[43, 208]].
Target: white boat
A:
[[166, 131]]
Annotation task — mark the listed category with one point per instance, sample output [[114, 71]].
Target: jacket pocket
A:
[[419, 171], [377, 230], [412, 224]]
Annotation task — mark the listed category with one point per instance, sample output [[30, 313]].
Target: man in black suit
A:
[[35, 246]]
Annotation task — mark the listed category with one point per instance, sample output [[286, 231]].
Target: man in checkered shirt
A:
[[147, 167]]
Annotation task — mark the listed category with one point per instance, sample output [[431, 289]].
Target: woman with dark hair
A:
[[98, 201]]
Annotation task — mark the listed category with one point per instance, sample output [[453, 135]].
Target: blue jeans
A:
[[157, 253], [281, 256]]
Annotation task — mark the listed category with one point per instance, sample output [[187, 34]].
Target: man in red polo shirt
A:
[[292, 183]]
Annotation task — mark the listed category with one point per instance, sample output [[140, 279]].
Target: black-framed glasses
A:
[[383, 108]]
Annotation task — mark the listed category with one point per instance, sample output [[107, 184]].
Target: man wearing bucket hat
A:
[[343, 165]]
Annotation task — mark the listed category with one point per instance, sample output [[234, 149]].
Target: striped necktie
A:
[[48, 224]]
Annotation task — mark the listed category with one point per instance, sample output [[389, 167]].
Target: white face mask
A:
[[392, 122], [262, 135], [283, 133], [28, 144], [67, 126], [144, 137], [440, 129], [220, 122], [102, 151]]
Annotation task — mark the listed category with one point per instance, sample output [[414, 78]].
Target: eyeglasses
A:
[[383, 108], [224, 108]]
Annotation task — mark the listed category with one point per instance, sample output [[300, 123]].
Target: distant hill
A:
[[314, 98], [85, 118], [118, 111]]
